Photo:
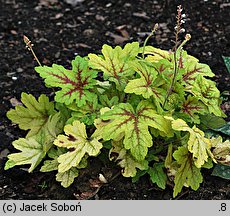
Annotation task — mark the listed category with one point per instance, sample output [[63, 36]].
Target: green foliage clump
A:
[[146, 124]]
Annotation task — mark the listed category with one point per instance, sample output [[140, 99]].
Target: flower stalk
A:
[[178, 29], [29, 46]]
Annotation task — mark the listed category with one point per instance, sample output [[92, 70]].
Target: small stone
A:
[[19, 70]]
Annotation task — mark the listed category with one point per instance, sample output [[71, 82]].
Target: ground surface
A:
[[60, 31]]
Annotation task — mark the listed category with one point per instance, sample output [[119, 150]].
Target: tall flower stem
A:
[[29, 45], [146, 40], [176, 47]]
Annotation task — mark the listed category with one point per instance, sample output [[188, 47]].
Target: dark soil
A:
[[61, 31]]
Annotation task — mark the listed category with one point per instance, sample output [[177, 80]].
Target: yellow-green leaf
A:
[[33, 149], [78, 144], [33, 115], [76, 84], [133, 125], [67, 178], [125, 160], [187, 174], [147, 85], [115, 62], [198, 145]]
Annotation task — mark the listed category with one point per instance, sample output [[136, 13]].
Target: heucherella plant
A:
[[148, 108]]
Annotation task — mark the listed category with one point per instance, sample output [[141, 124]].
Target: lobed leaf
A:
[[67, 178], [76, 84], [198, 145], [33, 115], [115, 63], [157, 175], [205, 90], [188, 174], [147, 85], [33, 149], [134, 126], [192, 108], [78, 144], [125, 160]]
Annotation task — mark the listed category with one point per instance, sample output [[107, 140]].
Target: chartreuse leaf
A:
[[147, 85], [66, 178], [157, 175], [33, 115], [193, 68], [198, 145], [133, 125], [76, 84], [205, 90], [125, 160], [191, 109], [33, 149], [187, 174], [78, 144], [114, 63], [156, 54]]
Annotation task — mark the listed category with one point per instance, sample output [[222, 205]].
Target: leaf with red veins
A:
[[192, 106], [147, 85], [76, 84], [114, 63], [193, 68], [134, 125]]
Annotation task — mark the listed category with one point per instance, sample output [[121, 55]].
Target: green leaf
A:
[[33, 115], [205, 90], [224, 129], [221, 171], [125, 160], [106, 102], [198, 145], [134, 126], [115, 63], [78, 144], [157, 175], [227, 62], [187, 174], [209, 121], [147, 85], [76, 84], [51, 165], [67, 178], [86, 113], [34, 149]]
